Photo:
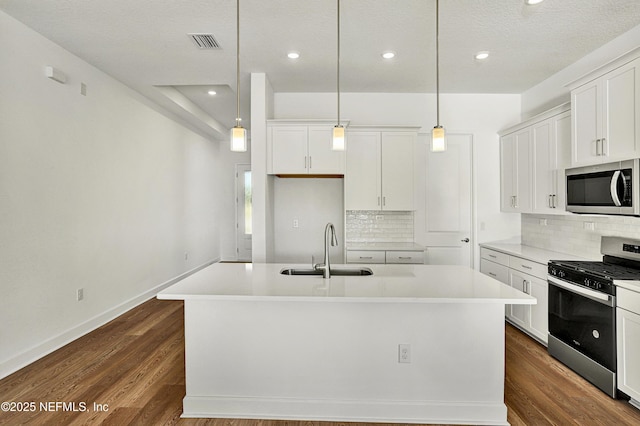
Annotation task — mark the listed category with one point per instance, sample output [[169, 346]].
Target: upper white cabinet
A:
[[606, 114], [533, 156], [299, 148], [515, 171], [379, 170]]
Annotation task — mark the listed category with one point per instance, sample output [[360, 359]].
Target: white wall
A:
[[314, 203], [477, 114], [261, 183], [100, 192], [552, 91]]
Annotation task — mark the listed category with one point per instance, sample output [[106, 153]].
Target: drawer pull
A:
[[405, 257], [493, 256], [492, 274], [527, 267], [366, 257]]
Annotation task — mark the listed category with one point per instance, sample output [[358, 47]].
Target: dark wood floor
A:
[[134, 367]]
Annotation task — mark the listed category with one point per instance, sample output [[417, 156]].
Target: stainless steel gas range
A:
[[582, 310]]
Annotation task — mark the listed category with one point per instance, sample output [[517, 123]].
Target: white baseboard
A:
[[56, 342], [430, 412]]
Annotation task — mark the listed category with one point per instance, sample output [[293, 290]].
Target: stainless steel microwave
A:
[[604, 189]]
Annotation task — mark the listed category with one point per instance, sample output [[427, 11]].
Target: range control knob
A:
[[561, 274]]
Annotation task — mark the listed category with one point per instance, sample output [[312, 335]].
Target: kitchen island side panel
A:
[[340, 361]]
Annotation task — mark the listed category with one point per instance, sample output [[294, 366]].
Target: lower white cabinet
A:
[[628, 342], [365, 256], [524, 275], [386, 256], [532, 318]]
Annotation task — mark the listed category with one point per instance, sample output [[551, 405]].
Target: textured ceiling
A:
[[144, 43]]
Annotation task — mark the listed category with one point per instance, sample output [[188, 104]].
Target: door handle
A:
[[466, 240]]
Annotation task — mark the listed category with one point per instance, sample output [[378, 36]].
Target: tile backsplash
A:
[[366, 226], [576, 234]]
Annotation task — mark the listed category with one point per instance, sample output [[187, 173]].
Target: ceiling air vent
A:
[[205, 41]]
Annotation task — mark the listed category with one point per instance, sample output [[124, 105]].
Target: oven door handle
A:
[[596, 296]]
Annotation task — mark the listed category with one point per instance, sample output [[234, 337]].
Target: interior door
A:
[[449, 204], [243, 212]]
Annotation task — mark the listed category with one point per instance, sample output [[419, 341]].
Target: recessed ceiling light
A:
[[212, 92], [532, 2], [388, 55], [293, 55], [482, 55]]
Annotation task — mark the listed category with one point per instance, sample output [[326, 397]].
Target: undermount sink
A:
[[336, 272]]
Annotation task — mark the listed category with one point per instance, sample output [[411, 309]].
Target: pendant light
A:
[[238, 133], [338, 141], [438, 140]]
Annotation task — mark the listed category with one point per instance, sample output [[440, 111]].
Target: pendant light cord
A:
[[238, 63], [437, 66], [338, 68]]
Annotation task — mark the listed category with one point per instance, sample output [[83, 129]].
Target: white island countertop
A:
[[389, 283]]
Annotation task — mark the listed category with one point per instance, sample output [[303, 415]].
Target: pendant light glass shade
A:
[[438, 140], [238, 134], [338, 143], [238, 139]]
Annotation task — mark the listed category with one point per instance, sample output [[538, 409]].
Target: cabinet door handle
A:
[[310, 166], [305, 161], [378, 200], [515, 201], [550, 201], [553, 201], [604, 147], [598, 147], [384, 201]]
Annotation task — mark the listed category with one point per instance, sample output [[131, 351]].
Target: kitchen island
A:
[[408, 344]]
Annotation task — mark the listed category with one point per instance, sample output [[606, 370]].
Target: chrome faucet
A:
[[329, 232]]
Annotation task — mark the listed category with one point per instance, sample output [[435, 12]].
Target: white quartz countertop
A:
[[389, 283], [384, 246], [534, 254], [633, 285]]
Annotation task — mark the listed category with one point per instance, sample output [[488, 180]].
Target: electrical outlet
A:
[[543, 222], [379, 217], [80, 294], [590, 226], [404, 353], [295, 223]]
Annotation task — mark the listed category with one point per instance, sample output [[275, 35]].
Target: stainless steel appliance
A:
[[582, 314], [605, 188]]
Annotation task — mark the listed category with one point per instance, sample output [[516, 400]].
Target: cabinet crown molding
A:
[[605, 68], [305, 121], [537, 118]]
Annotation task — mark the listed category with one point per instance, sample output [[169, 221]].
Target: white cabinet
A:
[[550, 152], [606, 115], [533, 156], [531, 318], [297, 148], [628, 343], [524, 275], [515, 172], [386, 256], [379, 170]]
